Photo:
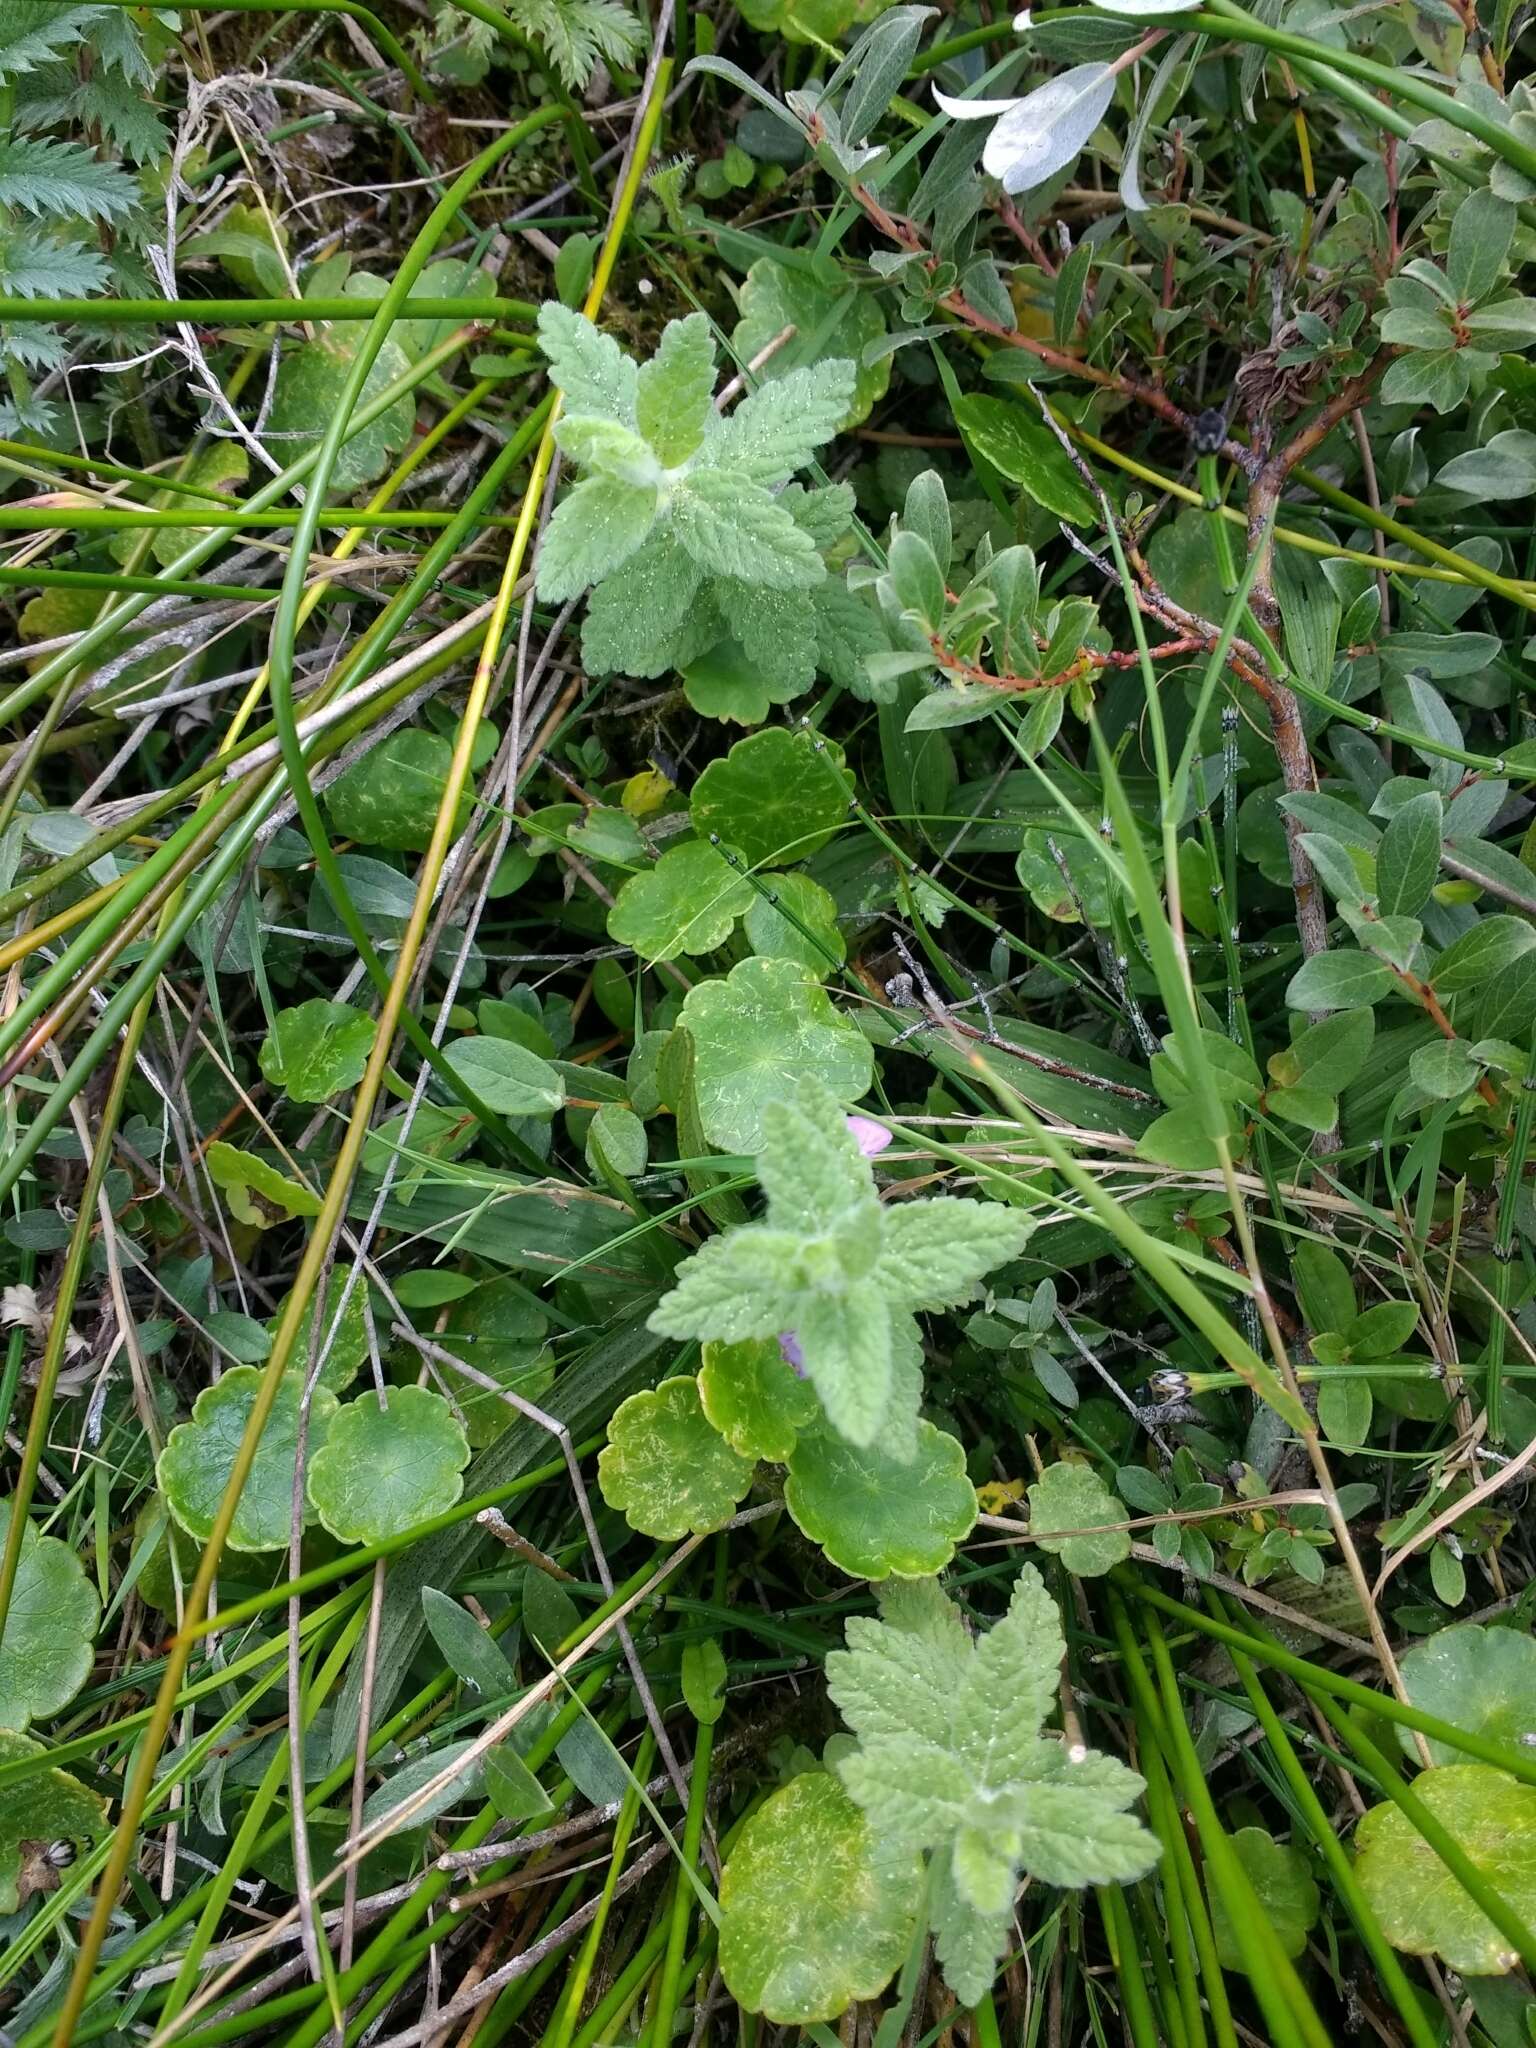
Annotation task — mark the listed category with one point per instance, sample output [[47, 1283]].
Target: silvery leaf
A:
[[1140, 9], [973, 110], [1041, 133]]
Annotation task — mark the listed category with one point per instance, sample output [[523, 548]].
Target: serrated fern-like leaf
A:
[[38, 32], [576, 33], [54, 180], [106, 104], [34, 267]]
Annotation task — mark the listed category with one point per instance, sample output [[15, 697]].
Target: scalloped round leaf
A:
[[814, 1916], [310, 381], [46, 1806], [687, 903], [1479, 1679], [1282, 1879], [391, 797], [50, 1629], [826, 324], [777, 797], [383, 1470], [1421, 1907], [316, 1049], [666, 1469], [1071, 1499], [345, 1337], [756, 1035], [876, 1517], [796, 920], [725, 683], [755, 1398], [199, 1456]]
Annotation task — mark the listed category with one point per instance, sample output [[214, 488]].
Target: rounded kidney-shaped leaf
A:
[[755, 1398], [776, 797], [874, 1516], [45, 1652], [814, 1916], [1282, 1879], [383, 1470], [391, 797], [756, 1035], [665, 1468], [1480, 1679], [46, 1806], [687, 903], [1420, 1905], [199, 1456], [796, 920], [1074, 1500], [316, 1049]]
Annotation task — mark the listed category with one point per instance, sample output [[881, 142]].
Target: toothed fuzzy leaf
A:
[[937, 1251], [734, 528], [596, 527], [674, 392], [586, 365], [950, 1759], [779, 428]]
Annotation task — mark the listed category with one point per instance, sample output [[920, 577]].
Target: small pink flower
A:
[[869, 1136]]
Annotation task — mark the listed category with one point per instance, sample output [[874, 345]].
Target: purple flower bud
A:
[[869, 1136], [790, 1352]]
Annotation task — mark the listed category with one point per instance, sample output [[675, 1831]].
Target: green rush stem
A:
[[574, 1994], [1504, 1242], [1317, 1678], [1516, 1930], [361, 661], [285, 624], [1292, 2019], [245, 312], [1191, 1942], [212, 1681], [105, 628], [45, 578], [984, 2013], [1340, 1868], [1163, 1805], [381, 1953], [1126, 1957], [1210, 491], [134, 519], [60, 1328], [185, 1765], [665, 2007]]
